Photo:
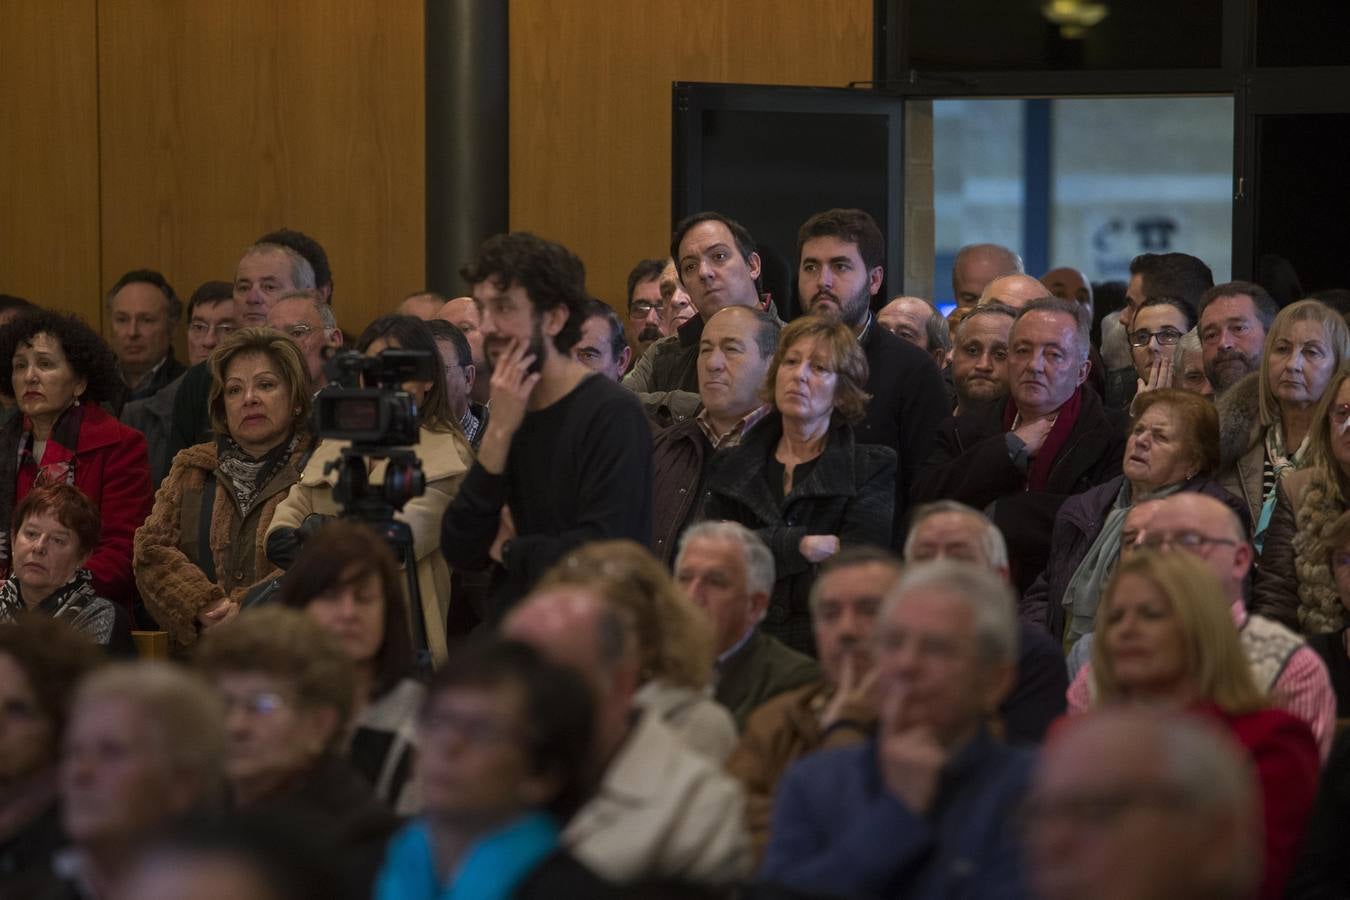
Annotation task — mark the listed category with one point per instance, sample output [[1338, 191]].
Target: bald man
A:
[[463, 313], [423, 305], [1283, 665], [978, 264], [1132, 802], [918, 321], [1015, 291], [1068, 283]]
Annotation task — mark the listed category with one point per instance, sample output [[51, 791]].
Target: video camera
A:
[[366, 405], [369, 406]]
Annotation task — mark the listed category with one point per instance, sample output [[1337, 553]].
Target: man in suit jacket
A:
[[728, 572], [840, 256], [1020, 458]]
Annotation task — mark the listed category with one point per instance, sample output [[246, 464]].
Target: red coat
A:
[[1287, 767], [112, 468]]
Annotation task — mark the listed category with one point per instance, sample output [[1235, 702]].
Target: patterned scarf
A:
[[248, 476], [1280, 462], [75, 602], [19, 468]]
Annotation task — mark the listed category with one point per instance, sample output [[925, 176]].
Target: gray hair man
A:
[[927, 806], [1132, 802], [266, 272], [947, 530], [660, 809], [838, 709], [1021, 458], [728, 572], [312, 326]]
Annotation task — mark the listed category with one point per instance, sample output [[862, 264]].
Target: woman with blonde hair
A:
[[799, 478], [202, 548], [1294, 582], [1165, 638], [1265, 419], [675, 640]]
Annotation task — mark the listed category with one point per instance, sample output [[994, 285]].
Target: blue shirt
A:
[[837, 829]]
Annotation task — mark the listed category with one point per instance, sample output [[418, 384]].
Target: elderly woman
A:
[[55, 529], [798, 478], [41, 660], [1266, 418], [675, 639], [1295, 583], [445, 456], [347, 580], [143, 749], [201, 550], [1159, 325], [503, 764], [288, 686], [60, 371], [1189, 366], [1173, 446], [1164, 637]]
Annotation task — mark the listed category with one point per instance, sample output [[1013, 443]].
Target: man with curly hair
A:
[[566, 457]]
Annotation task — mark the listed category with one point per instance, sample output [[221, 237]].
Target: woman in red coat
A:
[[60, 371], [1165, 637]]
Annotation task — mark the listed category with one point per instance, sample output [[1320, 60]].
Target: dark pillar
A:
[[467, 133]]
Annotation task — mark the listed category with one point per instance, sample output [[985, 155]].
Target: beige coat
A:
[[695, 717], [446, 459], [662, 811]]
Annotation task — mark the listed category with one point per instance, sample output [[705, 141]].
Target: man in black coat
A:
[[1020, 458], [716, 262], [840, 255]]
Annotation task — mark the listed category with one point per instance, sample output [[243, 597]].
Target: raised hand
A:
[[1034, 433], [818, 547], [908, 753]]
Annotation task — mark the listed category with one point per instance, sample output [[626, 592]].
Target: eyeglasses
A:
[[640, 309], [263, 703], [1168, 337], [469, 728], [1102, 808], [1187, 540]]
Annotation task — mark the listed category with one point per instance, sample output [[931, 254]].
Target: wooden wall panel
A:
[[590, 104], [223, 120], [49, 154]]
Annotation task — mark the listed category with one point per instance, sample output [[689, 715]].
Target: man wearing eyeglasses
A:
[[1133, 802], [646, 323], [1159, 325], [1282, 663], [310, 324]]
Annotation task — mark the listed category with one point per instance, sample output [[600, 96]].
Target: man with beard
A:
[[980, 355], [646, 313], [839, 271], [1234, 319], [716, 262], [565, 457]]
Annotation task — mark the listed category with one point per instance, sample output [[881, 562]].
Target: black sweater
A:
[[578, 471]]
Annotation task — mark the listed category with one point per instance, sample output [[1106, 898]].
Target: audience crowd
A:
[[1046, 598]]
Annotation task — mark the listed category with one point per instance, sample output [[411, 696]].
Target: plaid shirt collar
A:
[[734, 434]]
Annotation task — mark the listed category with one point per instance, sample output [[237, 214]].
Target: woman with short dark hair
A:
[[798, 478], [347, 580], [60, 371], [55, 528], [504, 747]]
